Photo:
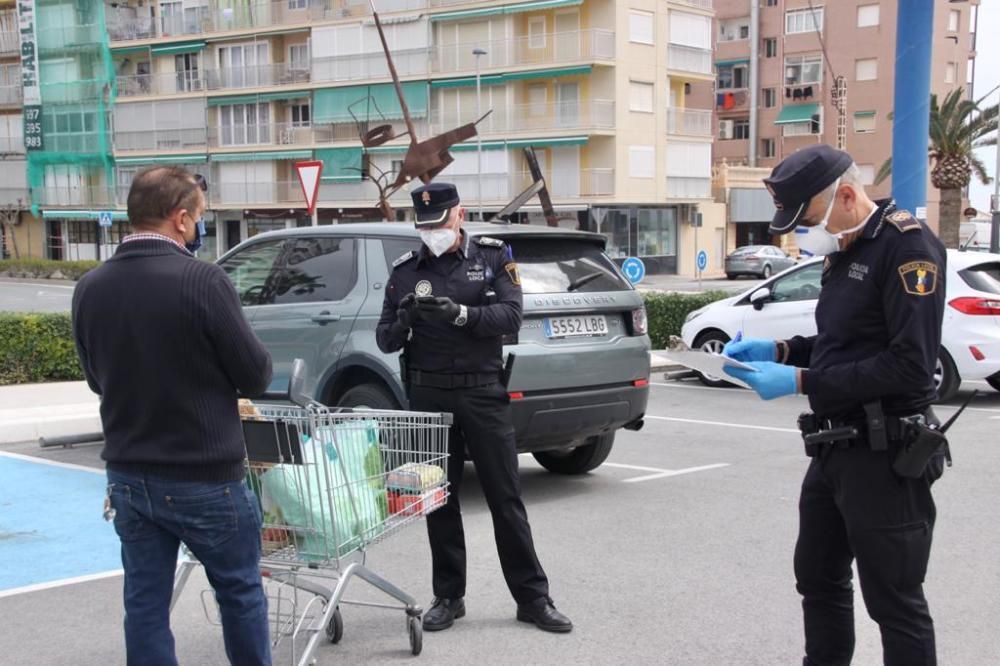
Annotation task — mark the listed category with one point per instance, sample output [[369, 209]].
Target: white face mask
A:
[[817, 240], [439, 241]]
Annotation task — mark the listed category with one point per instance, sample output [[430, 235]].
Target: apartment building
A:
[[13, 186], [241, 90], [769, 106]]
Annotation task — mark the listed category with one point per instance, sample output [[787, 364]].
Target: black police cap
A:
[[432, 202], [798, 178]]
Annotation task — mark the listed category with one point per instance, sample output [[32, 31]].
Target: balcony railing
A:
[[235, 78], [408, 62], [732, 99], [11, 144], [264, 134], [162, 139], [10, 43], [70, 36], [531, 117], [704, 4], [559, 47], [264, 193], [689, 59], [683, 187], [692, 122], [84, 195], [11, 95], [14, 196]]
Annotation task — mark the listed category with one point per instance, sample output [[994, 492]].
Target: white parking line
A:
[[695, 387], [673, 472], [37, 587], [724, 424], [53, 463]]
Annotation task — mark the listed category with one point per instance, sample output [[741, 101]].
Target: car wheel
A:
[[579, 459], [946, 379], [369, 396], [730, 276], [766, 273], [994, 381], [712, 341]]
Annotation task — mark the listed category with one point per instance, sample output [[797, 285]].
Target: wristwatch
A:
[[463, 316]]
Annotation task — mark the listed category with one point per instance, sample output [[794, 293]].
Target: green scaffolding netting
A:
[[78, 89]]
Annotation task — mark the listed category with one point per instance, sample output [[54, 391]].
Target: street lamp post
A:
[[479, 139]]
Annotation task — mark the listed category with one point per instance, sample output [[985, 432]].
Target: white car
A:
[[785, 306]]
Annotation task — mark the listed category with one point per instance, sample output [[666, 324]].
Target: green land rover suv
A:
[[581, 359]]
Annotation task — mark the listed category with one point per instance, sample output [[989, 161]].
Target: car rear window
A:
[[983, 277], [558, 265], [752, 249]]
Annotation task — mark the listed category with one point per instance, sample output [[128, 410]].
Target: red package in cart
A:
[[414, 505]]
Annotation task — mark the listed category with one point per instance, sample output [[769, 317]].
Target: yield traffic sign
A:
[[309, 173]]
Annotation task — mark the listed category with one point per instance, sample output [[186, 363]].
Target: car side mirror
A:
[[297, 382], [760, 297]]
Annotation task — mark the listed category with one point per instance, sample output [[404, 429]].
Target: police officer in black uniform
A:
[[448, 307], [869, 376]]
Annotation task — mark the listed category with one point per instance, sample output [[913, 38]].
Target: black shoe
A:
[[443, 613], [543, 613]]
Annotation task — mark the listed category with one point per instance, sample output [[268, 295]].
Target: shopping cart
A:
[[332, 483]]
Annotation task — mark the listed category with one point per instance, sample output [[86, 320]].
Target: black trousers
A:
[[483, 426], [853, 506]]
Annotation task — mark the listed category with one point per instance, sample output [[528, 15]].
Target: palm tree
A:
[[957, 128]]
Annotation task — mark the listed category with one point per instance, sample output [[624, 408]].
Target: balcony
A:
[[10, 43], [14, 196], [702, 4], [70, 38], [11, 144], [689, 122], [162, 139], [236, 78], [689, 59], [572, 115], [732, 99], [263, 194], [560, 47], [684, 187], [408, 62], [267, 134], [81, 195], [11, 95]]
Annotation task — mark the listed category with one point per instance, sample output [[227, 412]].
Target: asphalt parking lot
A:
[[679, 551]]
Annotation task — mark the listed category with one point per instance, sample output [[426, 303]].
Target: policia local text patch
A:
[[919, 277]]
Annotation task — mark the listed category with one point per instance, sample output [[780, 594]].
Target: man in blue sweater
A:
[[162, 339]]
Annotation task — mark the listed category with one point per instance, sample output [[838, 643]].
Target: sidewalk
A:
[[31, 411]]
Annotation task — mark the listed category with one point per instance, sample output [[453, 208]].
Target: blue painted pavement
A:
[[50, 524]]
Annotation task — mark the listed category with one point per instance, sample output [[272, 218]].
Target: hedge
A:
[[666, 312], [37, 348], [45, 268]]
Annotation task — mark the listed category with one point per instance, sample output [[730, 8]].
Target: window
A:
[[536, 32], [298, 4], [949, 72], [186, 66], [731, 30], [245, 124], [732, 76], [864, 122], [868, 16], [954, 20], [316, 269], [298, 57], [803, 20], [803, 69], [550, 266], [640, 96], [394, 248], [642, 161], [640, 26], [241, 65], [800, 285], [301, 116], [814, 126], [741, 129], [252, 272], [770, 3], [767, 148], [867, 173], [866, 69], [770, 47], [770, 98], [690, 30]]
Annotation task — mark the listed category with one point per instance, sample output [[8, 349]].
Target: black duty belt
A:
[[452, 381], [819, 433]]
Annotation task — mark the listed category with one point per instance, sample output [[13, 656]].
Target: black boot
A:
[[443, 613], [543, 613]]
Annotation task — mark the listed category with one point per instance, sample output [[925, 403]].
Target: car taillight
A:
[[639, 324], [640, 383], [976, 353], [974, 305]]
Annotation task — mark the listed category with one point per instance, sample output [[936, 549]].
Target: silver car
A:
[[758, 260], [580, 368]]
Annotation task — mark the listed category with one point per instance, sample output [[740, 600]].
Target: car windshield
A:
[[558, 265], [983, 277], [744, 251]]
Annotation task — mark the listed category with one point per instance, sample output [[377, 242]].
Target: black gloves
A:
[[440, 308], [407, 312]]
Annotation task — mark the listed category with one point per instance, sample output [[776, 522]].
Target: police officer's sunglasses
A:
[[201, 182]]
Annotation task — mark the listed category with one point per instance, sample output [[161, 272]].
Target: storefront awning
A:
[[263, 156], [116, 215], [797, 113], [734, 61], [500, 79], [340, 164], [334, 105], [128, 50], [233, 99], [178, 48], [539, 5], [284, 96]]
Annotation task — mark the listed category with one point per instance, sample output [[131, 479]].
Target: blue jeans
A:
[[220, 524]]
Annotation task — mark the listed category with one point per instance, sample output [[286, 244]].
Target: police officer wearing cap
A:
[[869, 377], [448, 307]]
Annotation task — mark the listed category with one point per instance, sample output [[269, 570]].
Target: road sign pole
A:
[[697, 266]]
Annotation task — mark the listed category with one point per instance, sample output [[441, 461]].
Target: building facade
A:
[[241, 90], [776, 85]]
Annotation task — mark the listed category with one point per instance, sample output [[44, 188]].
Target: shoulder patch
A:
[[403, 258], [489, 242], [903, 221], [919, 277]]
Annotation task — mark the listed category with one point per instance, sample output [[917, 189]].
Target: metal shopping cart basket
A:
[[331, 484]]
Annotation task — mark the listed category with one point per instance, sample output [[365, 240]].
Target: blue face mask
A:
[[199, 237]]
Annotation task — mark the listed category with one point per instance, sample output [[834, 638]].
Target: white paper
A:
[[710, 364]]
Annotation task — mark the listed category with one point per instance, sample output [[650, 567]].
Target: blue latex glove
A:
[[773, 380], [753, 349]]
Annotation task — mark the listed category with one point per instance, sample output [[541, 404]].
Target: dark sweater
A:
[[162, 339]]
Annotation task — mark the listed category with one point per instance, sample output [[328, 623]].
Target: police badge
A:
[[423, 288]]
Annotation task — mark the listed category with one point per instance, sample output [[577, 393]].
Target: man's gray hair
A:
[[850, 177]]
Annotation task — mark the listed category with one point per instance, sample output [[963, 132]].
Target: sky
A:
[[987, 76]]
